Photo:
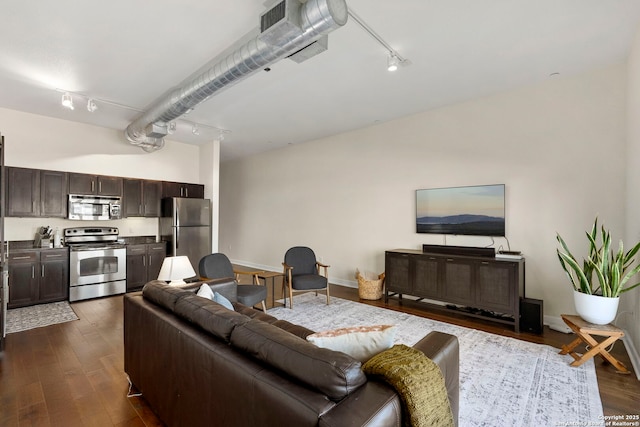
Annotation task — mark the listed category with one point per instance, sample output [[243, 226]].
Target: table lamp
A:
[[175, 269]]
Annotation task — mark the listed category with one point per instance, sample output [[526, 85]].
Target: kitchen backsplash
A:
[[26, 228]]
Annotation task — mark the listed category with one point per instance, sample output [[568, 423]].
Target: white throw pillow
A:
[[205, 292], [360, 342]]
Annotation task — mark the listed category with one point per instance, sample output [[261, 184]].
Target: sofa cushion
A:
[[360, 342], [163, 294], [332, 373], [209, 315]]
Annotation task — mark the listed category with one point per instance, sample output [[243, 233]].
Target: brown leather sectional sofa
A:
[[199, 364]]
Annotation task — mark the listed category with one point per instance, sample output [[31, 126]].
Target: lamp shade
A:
[[175, 269]]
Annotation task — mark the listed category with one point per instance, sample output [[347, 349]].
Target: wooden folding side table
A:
[[264, 275], [585, 330]]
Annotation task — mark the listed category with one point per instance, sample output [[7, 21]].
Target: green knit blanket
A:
[[419, 382]]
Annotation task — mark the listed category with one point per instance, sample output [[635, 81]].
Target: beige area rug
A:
[[503, 381], [37, 316]]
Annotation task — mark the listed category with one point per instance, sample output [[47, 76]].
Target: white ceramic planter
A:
[[596, 309]]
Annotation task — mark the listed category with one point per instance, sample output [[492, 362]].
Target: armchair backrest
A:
[[302, 259], [215, 266]]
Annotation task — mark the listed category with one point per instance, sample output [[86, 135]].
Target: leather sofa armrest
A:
[[373, 404], [445, 351]]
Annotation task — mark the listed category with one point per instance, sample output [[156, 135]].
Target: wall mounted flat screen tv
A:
[[473, 211]]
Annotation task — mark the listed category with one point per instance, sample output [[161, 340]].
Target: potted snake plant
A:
[[602, 277]]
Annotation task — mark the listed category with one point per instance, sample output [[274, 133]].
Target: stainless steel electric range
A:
[[97, 262]]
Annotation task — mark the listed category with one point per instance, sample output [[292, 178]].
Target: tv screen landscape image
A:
[[473, 211]]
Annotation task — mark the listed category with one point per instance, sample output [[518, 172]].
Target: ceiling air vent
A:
[[279, 23], [310, 50]]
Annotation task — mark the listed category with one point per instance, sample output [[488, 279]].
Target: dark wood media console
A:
[[479, 286]]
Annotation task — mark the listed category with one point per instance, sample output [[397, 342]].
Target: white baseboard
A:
[[632, 352], [557, 324]]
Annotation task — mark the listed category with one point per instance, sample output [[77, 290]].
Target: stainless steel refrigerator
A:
[[186, 225]]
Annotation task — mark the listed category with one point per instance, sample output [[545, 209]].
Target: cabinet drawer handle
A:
[[485, 262], [42, 270], [450, 260], [53, 256], [21, 257], [33, 271]]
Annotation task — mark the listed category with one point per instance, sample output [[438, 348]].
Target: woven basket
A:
[[370, 287]]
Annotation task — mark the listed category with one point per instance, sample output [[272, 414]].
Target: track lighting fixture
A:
[[91, 105], [392, 62], [67, 101], [172, 127]]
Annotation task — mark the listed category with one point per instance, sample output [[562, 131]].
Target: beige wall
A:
[[40, 142], [351, 196], [629, 311]]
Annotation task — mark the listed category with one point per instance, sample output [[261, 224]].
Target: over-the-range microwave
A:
[[92, 207]]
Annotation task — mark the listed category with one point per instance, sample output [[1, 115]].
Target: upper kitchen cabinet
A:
[[36, 193], [80, 183], [180, 189], [141, 198]]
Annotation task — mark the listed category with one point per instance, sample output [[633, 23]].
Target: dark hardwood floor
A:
[[71, 374]]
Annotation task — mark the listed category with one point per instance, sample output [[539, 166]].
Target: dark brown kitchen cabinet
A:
[[38, 276], [36, 193], [143, 263], [477, 286], [141, 198], [101, 185], [53, 194], [180, 189]]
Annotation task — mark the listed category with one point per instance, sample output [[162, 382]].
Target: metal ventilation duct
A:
[[286, 28]]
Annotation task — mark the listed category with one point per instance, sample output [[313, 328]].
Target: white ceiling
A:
[[131, 52]]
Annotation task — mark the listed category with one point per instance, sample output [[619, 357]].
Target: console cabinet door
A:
[[397, 276], [458, 281], [54, 276], [494, 286], [426, 282]]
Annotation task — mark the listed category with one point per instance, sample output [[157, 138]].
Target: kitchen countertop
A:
[[138, 240], [20, 245]]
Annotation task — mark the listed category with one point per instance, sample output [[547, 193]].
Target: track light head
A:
[[195, 129], [91, 105], [171, 128], [392, 62], [67, 101]]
